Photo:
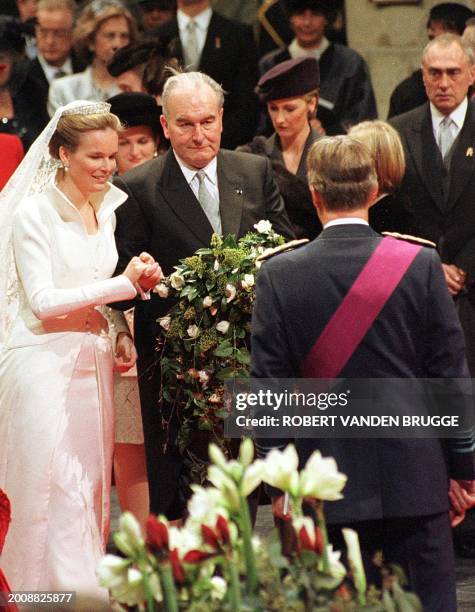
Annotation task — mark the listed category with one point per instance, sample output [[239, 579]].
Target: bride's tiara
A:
[[83, 107]]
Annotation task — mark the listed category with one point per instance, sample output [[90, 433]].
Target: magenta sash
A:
[[357, 312]]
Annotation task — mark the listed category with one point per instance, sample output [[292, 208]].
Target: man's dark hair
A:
[[452, 15]]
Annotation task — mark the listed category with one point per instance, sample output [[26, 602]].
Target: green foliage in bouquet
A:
[[215, 564], [206, 334]]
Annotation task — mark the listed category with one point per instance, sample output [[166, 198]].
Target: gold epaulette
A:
[[413, 239], [266, 24], [288, 246]]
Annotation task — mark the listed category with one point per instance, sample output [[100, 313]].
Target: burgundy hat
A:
[[294, 77], [326, 7]]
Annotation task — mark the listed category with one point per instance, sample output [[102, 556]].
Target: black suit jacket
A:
[[447, 221], [36, 72], [416, 335], [409, 94], [163, 217], [230, 58]]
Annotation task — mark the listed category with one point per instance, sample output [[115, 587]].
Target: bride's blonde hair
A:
[[71, 127]]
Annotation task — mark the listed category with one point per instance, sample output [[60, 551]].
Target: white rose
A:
[[230, 293], [223, 326], [248, 281], [321, 479], [177, 281], [203, 376], [165, 322], [193, 331], [263, 227], [162, 290], [207, 302]]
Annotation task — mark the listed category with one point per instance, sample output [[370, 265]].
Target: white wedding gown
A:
[[56, 404]]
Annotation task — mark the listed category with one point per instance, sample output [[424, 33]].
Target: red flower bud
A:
[[209, 536], [157, 533], [318, 541], [223, 529], [5, 517], [177, 569], [304, 539], [197, 556]]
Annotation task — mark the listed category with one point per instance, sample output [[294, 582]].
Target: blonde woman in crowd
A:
[[103, 27]]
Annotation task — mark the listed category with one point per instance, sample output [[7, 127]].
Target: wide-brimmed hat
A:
[[294, 77]]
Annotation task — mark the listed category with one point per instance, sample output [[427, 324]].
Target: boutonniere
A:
[[217, 42], [469, 152]]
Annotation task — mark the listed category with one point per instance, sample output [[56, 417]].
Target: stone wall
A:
[[391, 39]]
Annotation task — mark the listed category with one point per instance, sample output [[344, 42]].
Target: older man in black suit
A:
[[225, 50], [175, 203], [397, 491]]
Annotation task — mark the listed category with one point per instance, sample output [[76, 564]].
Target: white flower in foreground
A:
[[165, 322], [216, 456], [248, 281], [112, 571], [230, 293], [337, 569], [218, 588], [204, 506], [223, 326], [207, 301], [253, 476], [281, 469], [304, 521], [177, 281], [226, 486], [321, 479], [354, 559], [129, 537], [203, 376], [263, 227], [246, 452], [193, 331], [183, 540], [162, 290]]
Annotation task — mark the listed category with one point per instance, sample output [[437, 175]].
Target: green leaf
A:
[[243, 356], [204, 251]]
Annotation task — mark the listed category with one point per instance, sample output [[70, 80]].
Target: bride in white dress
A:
[[56, 366]]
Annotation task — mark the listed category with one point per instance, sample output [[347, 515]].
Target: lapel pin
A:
[[469, 152], [217, 42], [239, 191]]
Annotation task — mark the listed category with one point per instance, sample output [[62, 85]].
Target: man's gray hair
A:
[[447, 40], [189, 80]]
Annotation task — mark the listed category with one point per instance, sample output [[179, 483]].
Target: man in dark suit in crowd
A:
[[447, 17], [396, 496], [54, 29], [439, 141], [175, 203], [346, 92], [225, 50]]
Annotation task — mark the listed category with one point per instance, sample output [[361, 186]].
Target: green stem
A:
[[323, 527], [246, 532], [234, 584], [146, 585], [168, 587]]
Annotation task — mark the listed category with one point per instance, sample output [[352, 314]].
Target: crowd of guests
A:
[[218, 116]]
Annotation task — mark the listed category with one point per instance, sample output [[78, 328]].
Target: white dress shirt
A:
[[50, 71], [346, 221], [211, 179], [295, 50], [457, 116], [202, 23]]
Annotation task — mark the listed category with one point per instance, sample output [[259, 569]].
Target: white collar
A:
[[105, 202], [202, 19], [346, 221], [50, 71], [457, 116], [211, 170], [295, 50]]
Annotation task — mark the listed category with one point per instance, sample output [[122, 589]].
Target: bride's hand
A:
[[125, 353], [152, 276], [135, 268]]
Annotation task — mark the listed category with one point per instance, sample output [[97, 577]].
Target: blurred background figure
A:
[[244, 11], [346, 92], [290, 90], [138, 143], [103, 26], [387, 214], [153, 13], [18, 115], [225, 50], [447, 17], [56, 58], [141, 67], [11, 154], [27, 14]]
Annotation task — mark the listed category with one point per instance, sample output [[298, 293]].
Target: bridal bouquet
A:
[[206, 334], [214, 562]]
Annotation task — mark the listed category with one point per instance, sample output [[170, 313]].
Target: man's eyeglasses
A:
[[45, 32]]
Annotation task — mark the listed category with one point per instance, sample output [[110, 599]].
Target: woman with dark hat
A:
[[290, 91], [138, 142], [18, 116], [140, 139]]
